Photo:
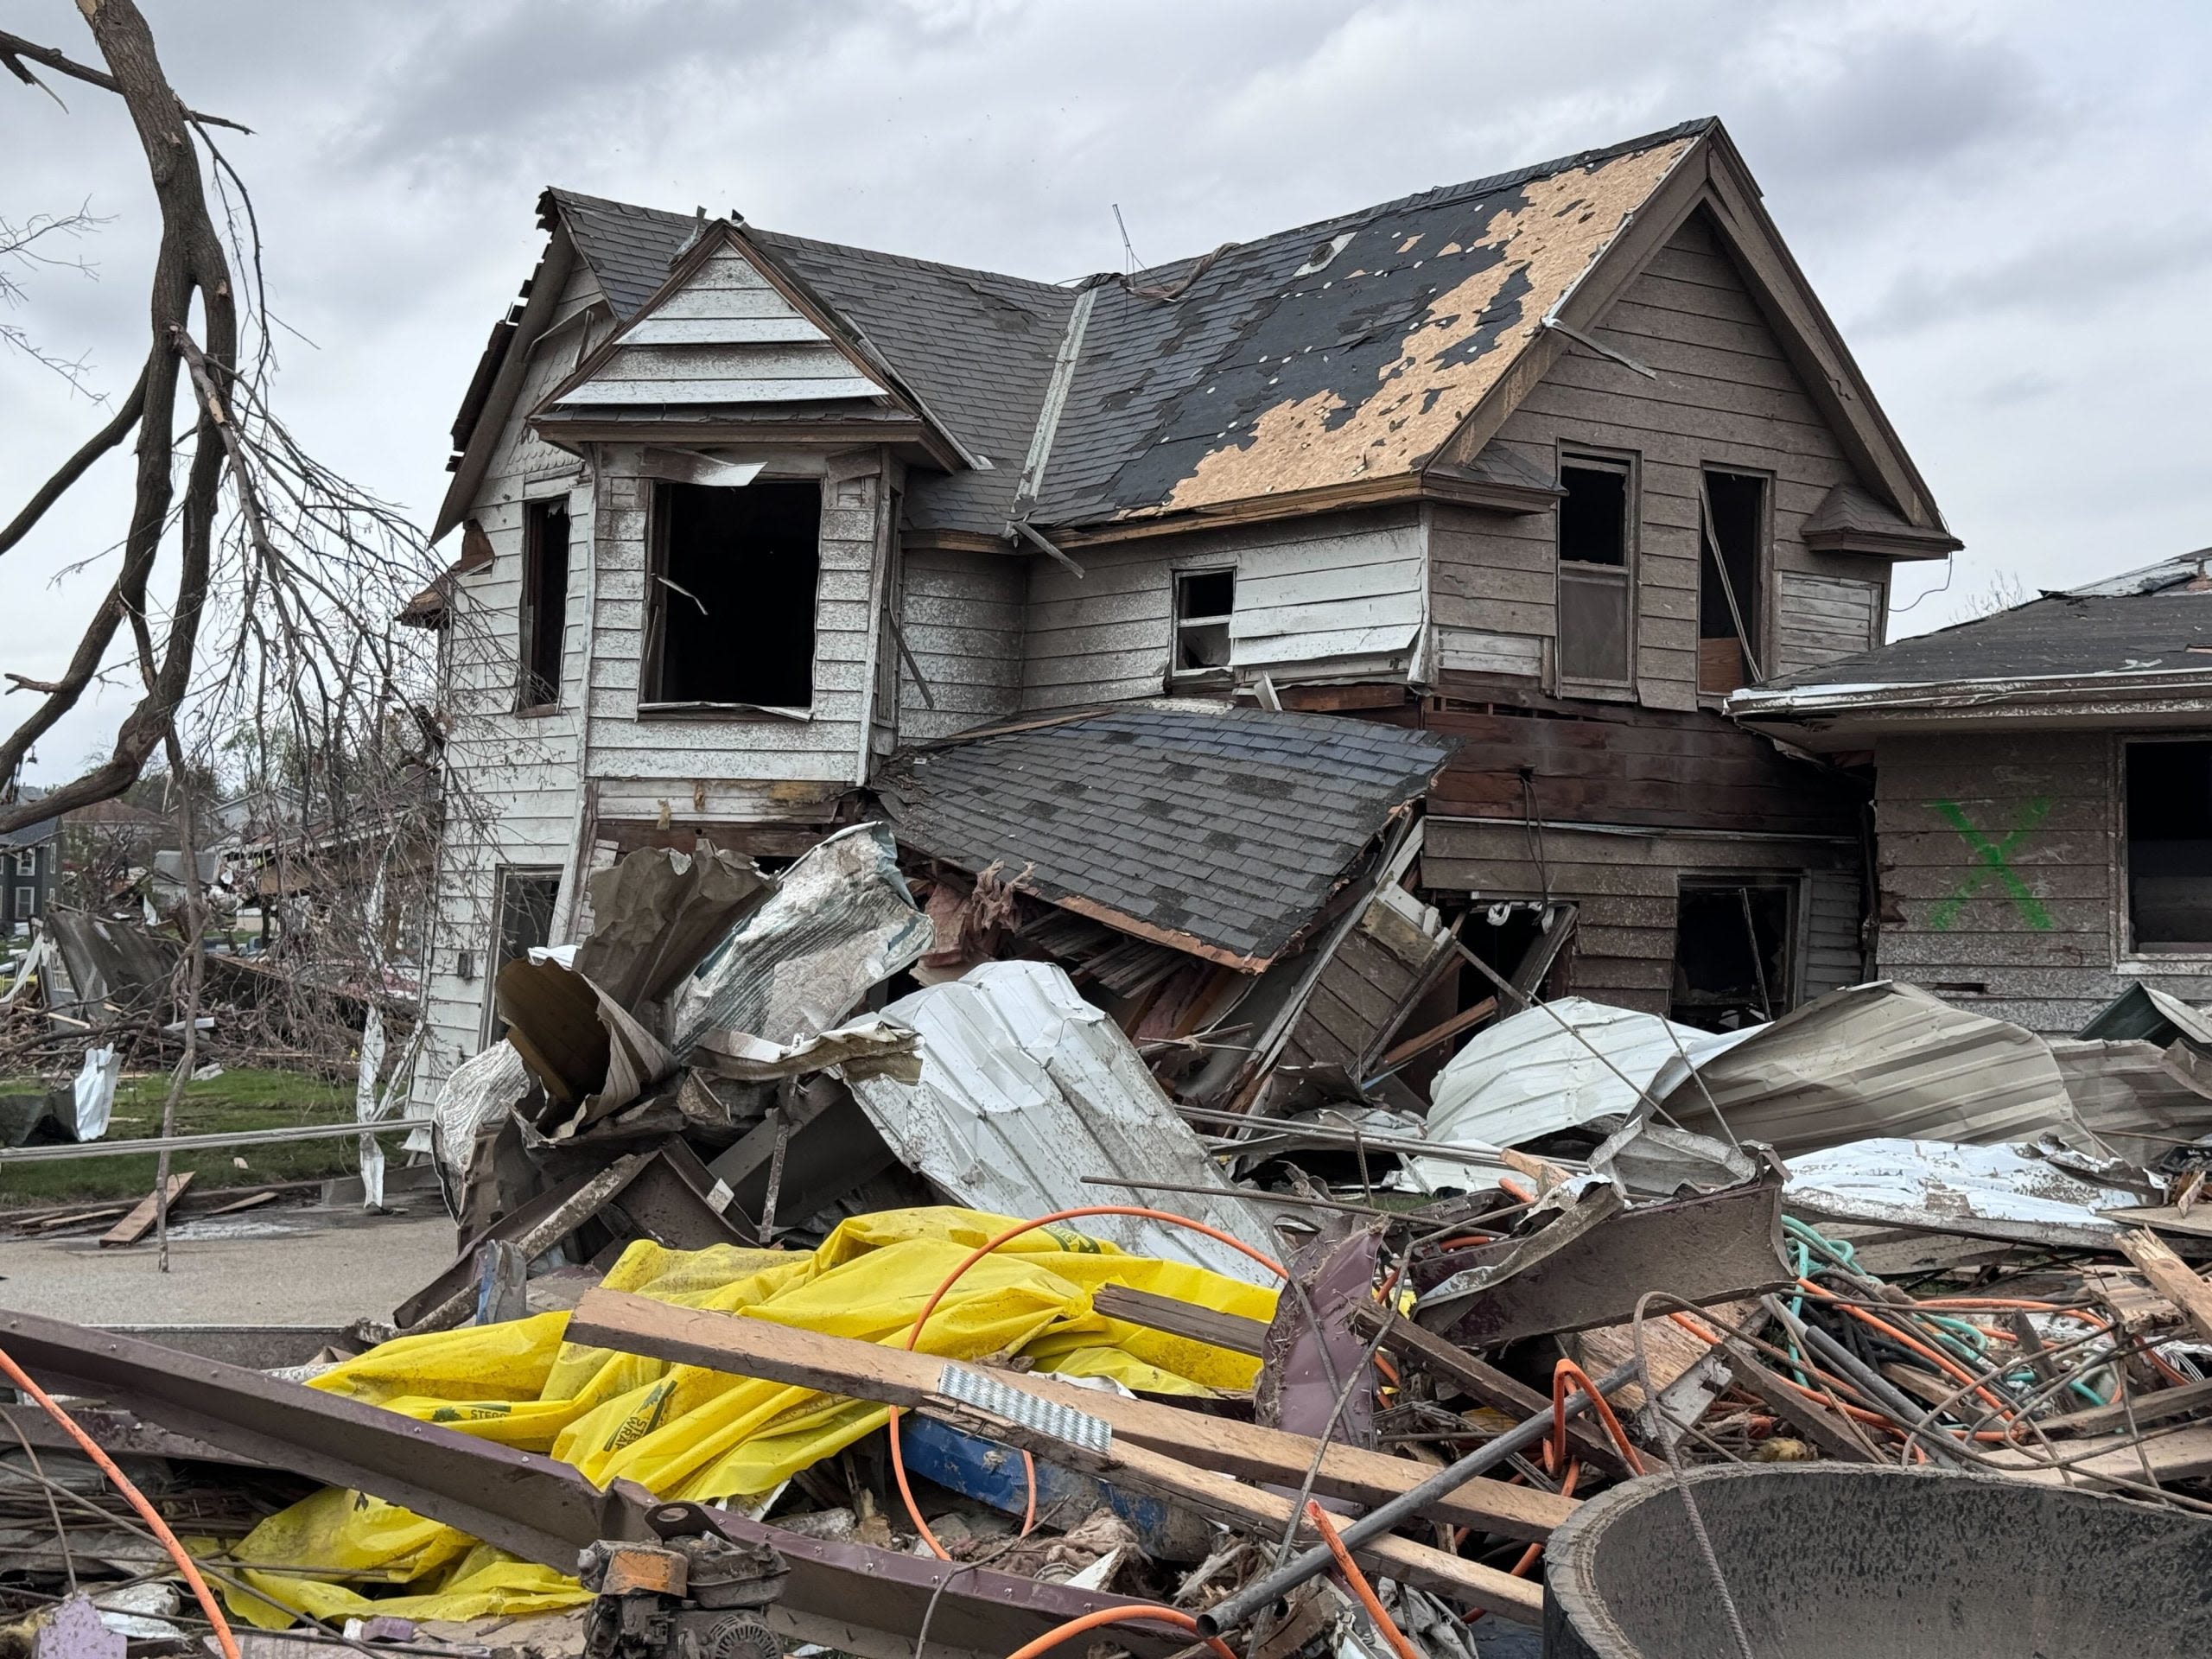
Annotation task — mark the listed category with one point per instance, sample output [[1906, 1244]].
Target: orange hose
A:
[[1348, 1569], [1567, 1372], [1534, 1553], [136, 1499], [1091, 1621], [914, 1332], [1942, 1362], [1516, 1189]]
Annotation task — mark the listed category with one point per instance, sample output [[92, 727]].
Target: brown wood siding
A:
[[2047, 955], [1625, 886], [1726, 396]]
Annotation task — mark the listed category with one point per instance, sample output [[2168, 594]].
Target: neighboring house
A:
[[2042, 793], [1542, 465], [30, 865]]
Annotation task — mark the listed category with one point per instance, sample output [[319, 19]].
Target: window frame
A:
[[493, 961], [534, 511], [27, 861], [1630, 464], [1214, 674], [1765, 622], [26, 902], [653, 647], [2126, 955], [1797, 940]]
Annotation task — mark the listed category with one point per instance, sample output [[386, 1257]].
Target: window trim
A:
[[2126, 958], [26, 902], [655, 608], [534, 511], [1220, 674], [1630, 464], [1766, 625]]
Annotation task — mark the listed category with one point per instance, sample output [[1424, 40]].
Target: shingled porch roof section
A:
[[1222, 828]]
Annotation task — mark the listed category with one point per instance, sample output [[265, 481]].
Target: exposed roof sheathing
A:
[[1222, 829]]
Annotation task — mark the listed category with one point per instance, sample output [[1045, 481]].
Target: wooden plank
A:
[[1178, 1319], [2184, 1401], [744, 1347], [1438, 1033], [1250, 1508], [1830, 1433], [2171, 1277], [251, 1201], [136, 1225]]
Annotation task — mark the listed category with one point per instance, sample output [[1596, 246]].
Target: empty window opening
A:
[[1733, 528], [2170, 846], [733, 593], [1594, 574], [524, 905], [544, 601], [1204, 602], [1735, 951]]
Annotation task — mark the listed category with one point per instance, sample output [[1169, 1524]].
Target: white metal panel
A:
[[1026, 1089]]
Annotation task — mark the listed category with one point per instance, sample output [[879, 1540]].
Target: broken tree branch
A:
[[14, 48]]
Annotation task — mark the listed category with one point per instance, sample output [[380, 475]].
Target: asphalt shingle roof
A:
[[1227, 826], [2158, 619], [1334, 353]]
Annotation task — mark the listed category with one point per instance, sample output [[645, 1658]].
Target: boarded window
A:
[[2170, 846], [1729, 591], [732, 594], [523, 905], [544, 601], [1596, 572], [1735, 949], [1203, 602]]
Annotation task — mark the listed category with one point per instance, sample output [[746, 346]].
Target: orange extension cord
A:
[[1348, 1569], [914, 1337], [136, 1499], [1091, 1621]]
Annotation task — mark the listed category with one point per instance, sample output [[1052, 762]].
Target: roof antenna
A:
[[1128, 253]]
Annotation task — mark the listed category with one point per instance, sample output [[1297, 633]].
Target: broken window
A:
[[544, 601], [1203, 602], [731, 595], [2170, 846], [1733, 528], [524, 912], [1735, 949], [1596, 579]]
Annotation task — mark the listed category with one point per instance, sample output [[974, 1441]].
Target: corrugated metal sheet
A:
[[1982, 1191], [1026, 1089]]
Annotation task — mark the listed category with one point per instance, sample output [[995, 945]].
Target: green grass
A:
[[237, 1100]]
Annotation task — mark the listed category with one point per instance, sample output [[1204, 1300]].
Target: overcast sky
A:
[[2007, 208]]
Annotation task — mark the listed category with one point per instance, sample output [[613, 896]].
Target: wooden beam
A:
[[743, 1347], [2171, 1277], [1438, 1033], [136, 1225], [1178, 1319]]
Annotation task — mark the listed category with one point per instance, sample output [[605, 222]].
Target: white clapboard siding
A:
[[960, 614], [1821, 618], [1471, 651], [1833, 958], [726, 336]]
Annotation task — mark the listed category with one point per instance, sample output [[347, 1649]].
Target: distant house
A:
[[30, 866], [2043, 791], [753, 527]]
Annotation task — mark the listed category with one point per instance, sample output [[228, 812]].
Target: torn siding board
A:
[[1821, 619], [1509, 656], [1726, 396], [2038, 940], [962, 614], [1340, 593], [1366, 984]]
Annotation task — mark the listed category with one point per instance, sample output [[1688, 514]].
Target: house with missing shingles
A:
[[1286, 640], [2042, 793]]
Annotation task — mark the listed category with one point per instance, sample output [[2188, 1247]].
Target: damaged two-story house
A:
[[1168, 603]]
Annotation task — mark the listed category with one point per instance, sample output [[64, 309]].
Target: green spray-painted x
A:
[[1992, 855]]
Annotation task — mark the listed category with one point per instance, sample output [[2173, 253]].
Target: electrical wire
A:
[[914, 1334], [1092, 1620], [106, 1465], [1348, 1569]]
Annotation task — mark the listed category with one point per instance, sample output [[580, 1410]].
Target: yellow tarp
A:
[[686, 1433]]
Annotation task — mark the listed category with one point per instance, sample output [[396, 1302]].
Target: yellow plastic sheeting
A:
[[685, 1431]]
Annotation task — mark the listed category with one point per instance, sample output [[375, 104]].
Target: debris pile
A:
[[835, 1272]]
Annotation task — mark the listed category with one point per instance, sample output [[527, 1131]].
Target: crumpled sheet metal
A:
[[1025, 1090], [840, 920], [2135, 1098], [1528, 1075], [864, 1048], [1882, 1059], [1982, 1191], [476, 1094], [654, 914], [591, 1055]]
